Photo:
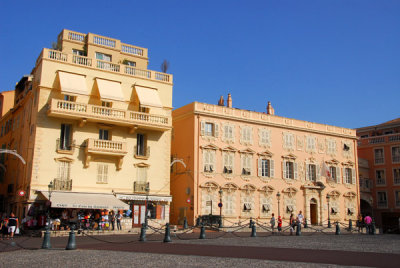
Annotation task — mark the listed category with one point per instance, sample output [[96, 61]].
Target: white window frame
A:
[[331, 146], [288, 141], [311, 144], [209, 129], [141, 174], [64, 170], [246, 164], [246, 135], [289, 169], [103, 56], [228, 162], [209, 161], [264, 136], [228, 133], [267, 171], [312, 172]]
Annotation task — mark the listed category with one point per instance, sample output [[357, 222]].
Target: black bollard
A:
[[305, 223], [185, 224], [373, 228], [71, 240], [167, 237], [202, 232], [350, 225], [337, 229], [298, 229], [198, 222], [143, 233], [253, 231], [46, 239], [329, 223], [220, 223], [251, 223]]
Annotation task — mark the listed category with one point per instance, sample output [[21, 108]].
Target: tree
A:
[[164, 66]]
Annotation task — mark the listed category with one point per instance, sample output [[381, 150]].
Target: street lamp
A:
[[329, 214], [278, 196], [147, 189], [220, 208]]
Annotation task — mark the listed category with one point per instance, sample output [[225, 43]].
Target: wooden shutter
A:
[[203, 126], [307, 171], [318, 171], [259, 167], [250, 133], [344, 175], [99, 173], [337, 174], [212, 160], [353, 176], [295, 170], [284, 169], [271, 168], [216, 130], [158, 211]]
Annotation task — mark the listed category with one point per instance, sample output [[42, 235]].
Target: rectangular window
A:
[[78, 52], [396, 175], [64, 169], [107, 104], [209, 129], [208, 160], [69, 98], [379, 156], [246, 164], [140, 145], [397, 198], [247, 135], [288, 141], [312, 172], [228, 133], [382, 199], [102, 56], [102, 173], [288, 170], [129, 63], [104, 134], [332, 170], [65, 137], [331, 146], [142, 174], [265, 168], [396, 154], [348, 175], [380, 177], [228, 163], [265, 137]]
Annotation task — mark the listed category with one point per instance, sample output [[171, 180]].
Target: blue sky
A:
[[327, 61]]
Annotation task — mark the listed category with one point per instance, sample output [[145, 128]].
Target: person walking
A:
[[368, 221], [12, 225], [292, 222], [112, 219], [4, 228], [272, 222], [300, 217], [360, 223], [279, 224], [119, 218]]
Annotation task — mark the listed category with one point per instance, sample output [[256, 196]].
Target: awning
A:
[[144, 197], [148, 97], [110, 90], [85, 200], [72, 83]]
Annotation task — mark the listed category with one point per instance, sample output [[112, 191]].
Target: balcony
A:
[[117, 149], [379, 139], [144, 153], [88, 112], [62, 185], [59, 56], [141, 187]]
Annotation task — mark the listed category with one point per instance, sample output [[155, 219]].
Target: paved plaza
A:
[[217, 250]]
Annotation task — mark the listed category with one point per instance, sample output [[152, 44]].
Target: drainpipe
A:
[[197, 146]]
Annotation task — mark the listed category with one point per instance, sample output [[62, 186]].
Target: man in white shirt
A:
[[300, 217]]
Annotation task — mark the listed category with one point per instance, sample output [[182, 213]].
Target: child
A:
[[279, 224]]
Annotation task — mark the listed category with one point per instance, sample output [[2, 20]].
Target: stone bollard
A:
[[202, 232], [185, 224], [198, 222], [253, 231], [143, 233], [167, 237], [350, 225], [71, 240], [337, 229], [305, 223], [373, 228], [298, 229], [46, 239]]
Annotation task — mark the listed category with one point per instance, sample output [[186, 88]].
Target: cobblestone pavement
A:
[[235, 250]]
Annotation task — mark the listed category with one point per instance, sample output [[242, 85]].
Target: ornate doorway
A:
[[313, 211]]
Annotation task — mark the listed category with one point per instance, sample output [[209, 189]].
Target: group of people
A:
[[293, 221], [365, 222], [8, 226]]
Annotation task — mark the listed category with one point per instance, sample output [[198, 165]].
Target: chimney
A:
[[221, 101], [229, 101], [270, 110]]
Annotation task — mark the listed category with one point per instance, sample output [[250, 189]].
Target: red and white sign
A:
[[188, 200], [21, 192]]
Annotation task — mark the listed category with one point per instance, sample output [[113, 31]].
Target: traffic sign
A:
[[188, 200], [21, 192], [220, 205]]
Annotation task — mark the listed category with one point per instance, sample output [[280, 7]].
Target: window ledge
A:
[[143, 157], [70, 152], [101, 182]]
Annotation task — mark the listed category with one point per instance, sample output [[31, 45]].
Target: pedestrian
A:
[[112, 219], [12, 225], [368, 221], [119, 218], [4, 228], [300, 217], [272, 222], [279, 224], [360, 223], [292, 222]]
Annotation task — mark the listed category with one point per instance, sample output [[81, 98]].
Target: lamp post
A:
[[46, 240], [278, 196], [329, 214], [147, 189], [220, 208]]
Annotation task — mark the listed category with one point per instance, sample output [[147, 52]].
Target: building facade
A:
[[366, 188], [96, 123], [380, 145], [255, 164]]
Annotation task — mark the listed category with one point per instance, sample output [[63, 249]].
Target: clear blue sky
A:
[[327, 61]]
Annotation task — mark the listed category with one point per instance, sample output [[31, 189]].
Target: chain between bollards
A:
[[71, 239]]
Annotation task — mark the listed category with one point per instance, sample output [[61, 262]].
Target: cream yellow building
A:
[[257, 164], [96, 123]]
